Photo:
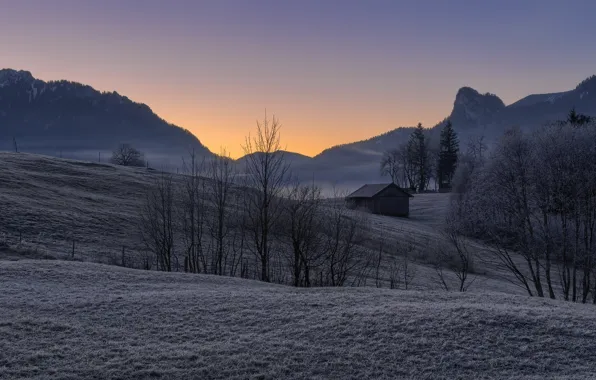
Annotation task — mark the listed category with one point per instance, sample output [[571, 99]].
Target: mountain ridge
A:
[[473, 114], [61, 115], [64, 116]]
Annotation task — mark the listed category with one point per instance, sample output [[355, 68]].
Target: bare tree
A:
[[400, 166], [302, 221], [239, 230], [157, 221], [345, 233], [565, 213], [391, 165], [126, 155], [534, 202], [406, 251], [266, 175], [193, 213], [508, 187], [378, 263], [394, 274], [223, 175], [455, 257], [477, 148], [402, 270]]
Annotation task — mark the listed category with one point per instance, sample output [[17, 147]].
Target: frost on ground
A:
[[69, 320], [50, 202], [46, 203]]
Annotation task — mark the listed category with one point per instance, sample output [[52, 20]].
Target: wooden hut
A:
[[383, 199]]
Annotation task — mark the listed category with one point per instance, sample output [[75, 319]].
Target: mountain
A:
[[470, 107], [292, 158], [473, 114], [75, 120]]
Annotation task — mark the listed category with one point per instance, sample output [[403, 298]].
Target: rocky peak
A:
[[470, 105], [10, 76], [588, 84]]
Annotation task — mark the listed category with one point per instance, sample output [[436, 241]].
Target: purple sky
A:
[[332, 71]]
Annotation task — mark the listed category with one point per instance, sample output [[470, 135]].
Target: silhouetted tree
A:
[[390, 165], [418, 157], [534, 202], [454, 256], [193, 213], [394, 164], [157, 221], [302, 227], [448, 154], [343, 253], [126, 155], [577, 119], [267, 174], [223, 174]]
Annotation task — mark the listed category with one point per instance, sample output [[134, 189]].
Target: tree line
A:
[[533, 201], [418, 162], [256, 222]]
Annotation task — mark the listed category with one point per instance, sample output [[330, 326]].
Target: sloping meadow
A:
[[67, 320], [84, 211], [46, 204]]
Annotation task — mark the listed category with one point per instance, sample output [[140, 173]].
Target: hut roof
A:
[[370, 190]]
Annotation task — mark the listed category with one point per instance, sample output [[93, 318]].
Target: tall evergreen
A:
[[418, 157], [572, 117], [577, 119], [449, 150]]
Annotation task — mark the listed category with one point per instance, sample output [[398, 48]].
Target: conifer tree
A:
[[449, 150], [418, 157], [577, 119]]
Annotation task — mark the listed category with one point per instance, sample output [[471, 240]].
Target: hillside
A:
[[291, 158], [47, 203], [68, 119], [473, 114], [74, 120], [50, 202], [65, 320]]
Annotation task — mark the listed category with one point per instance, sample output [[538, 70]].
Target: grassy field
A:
[[69, 320], [46, 203]]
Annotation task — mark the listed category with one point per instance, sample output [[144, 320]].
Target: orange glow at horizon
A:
[[309, 125], [222, 118], [307, 133], [333, 72]]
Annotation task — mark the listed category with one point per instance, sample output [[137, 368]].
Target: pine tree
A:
[[418, 157], [572, 117], [577, 119], [447, 155]]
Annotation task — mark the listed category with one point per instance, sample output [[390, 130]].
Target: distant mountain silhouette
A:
[[77, 120], [292, 158], [473, 114], [470, 107]]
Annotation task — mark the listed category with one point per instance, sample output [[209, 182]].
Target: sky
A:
[[332, 71]]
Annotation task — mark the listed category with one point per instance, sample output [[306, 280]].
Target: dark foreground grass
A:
[[68, 320]]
